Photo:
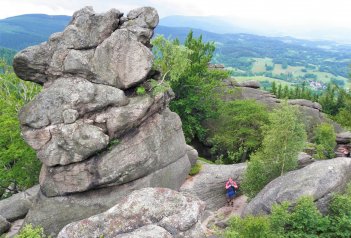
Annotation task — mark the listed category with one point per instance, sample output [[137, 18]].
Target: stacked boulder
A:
[[97, 138]]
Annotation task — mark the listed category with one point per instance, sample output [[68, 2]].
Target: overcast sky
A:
[[280, 13]]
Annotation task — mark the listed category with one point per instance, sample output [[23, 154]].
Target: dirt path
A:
[[218, 220], [15, 227]]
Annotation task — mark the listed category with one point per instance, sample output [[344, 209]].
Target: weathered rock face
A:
[[319, 180], [94, 135], [149, 212], [209, 184]]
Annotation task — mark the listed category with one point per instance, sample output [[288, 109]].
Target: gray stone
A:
[[69, 93], [72, 143], [250, 84], [147, 231], [158, 142], [31, 63], [305, 103], [4, 225], [121, 61], [209, 184], [192, 154], [88, 29], [70, 116], [343, 137], [85, 31], [304, 159], [53, 213], [17, 206], [146, 17], [319, 180], [177, 214]]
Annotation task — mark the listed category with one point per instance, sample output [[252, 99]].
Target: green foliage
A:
[[325, 139], [195, 169], [171, 58], [299, 220], [140, 91], [302, 220], [186, 69], [283, 138], [340, 215], [249, 227], [159, 87], [238, 130], [31, 232], [18, 163]]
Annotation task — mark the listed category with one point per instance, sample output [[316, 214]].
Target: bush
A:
[[19, 166], [249, 227], [325, 139], [300, 220], [31, 232], [195, 169], [238, 130]]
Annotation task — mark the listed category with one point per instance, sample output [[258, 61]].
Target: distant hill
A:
[[22, 31], [207, 23], [276, 58], [248, 55]]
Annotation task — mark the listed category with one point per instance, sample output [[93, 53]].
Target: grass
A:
[[259, 66], [195, 169], [261, 78]]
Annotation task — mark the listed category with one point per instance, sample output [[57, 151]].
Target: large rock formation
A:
[[97, 138], [149, 212], [320, 180]]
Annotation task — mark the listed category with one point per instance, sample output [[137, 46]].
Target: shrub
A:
[[140, 91], [325, 139], [195, 169], [238, 130], [31, 232]]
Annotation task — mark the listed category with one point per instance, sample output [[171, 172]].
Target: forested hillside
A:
[[18, 32], [266, 59], [270, 59]]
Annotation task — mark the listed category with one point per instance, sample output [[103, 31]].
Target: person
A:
[[231, 188], [345, 151]]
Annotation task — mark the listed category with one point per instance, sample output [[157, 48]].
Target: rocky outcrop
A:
[[93, 133], [18, 205], [320, 180], [304, 159], [149, 212], [209, 183]]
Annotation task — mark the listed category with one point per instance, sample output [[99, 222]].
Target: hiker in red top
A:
[[231, 188]]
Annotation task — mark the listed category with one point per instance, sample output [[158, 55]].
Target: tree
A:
[[325, 139], [283, 138], [196, 88], [238, 130], [18, 163]]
